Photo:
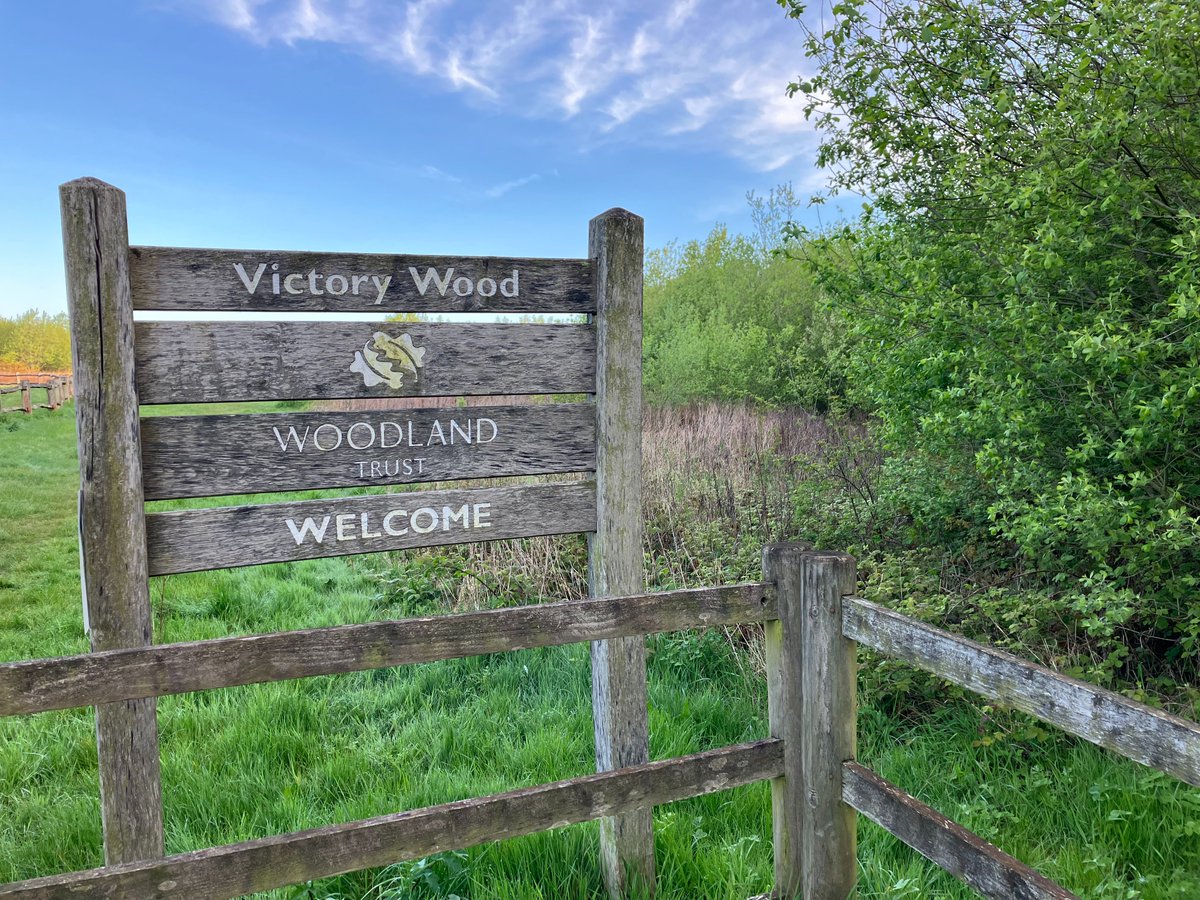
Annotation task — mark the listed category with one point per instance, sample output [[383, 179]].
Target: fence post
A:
[[781, 567], [26, 398], [827, 715], [619, 705], [811, 707], [112, 523]]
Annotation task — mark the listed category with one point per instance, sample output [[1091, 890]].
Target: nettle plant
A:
[[1024, 282]]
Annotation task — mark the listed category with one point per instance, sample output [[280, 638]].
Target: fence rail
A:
[[59, 389], [960, 852], [236, 869], [813, 623], [155, 671], [1136, 731]]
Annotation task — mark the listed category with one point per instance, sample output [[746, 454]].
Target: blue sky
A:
[[429, 126]]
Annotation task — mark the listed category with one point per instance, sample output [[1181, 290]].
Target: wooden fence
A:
[[59, 389], [812, 624]]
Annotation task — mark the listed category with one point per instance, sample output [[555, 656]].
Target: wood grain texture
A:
[[92, 678], [206, 362], [784, 637], [963, 854], [1136, 731], [828, 849], [190, 278], [204, 456], [619, 705], [111, 525], [193, 540], [259, 865]]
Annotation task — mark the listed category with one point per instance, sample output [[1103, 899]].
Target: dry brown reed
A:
[[720, 481]]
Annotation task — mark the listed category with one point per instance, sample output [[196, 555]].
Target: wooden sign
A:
[[203, 456], [192, 540], [209, 362], [181, 278], [126, 459]]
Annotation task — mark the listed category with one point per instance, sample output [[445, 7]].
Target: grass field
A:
[[264, 759]]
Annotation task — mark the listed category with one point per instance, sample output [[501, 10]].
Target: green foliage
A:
[[36, 342], [1025, 286], [264, 759], [727, 319]]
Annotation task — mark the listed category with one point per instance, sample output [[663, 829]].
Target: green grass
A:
[[265, 759]]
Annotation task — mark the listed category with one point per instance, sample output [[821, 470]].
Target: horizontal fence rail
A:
[[960, 852], [196, 279], [272, 862], [211, 456], [109, 676], [1142, 733], [210, 362]]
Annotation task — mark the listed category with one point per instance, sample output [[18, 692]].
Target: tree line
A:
[[35, 342]]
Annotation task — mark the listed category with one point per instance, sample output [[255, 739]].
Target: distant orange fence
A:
[[59, 388]]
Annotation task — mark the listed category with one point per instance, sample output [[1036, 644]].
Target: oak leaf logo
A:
[[387, 360]]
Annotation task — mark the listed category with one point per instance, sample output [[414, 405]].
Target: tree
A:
[[725, 318], [36, 342], [1024, 283]]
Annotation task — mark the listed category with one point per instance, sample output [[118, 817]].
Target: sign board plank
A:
[[206, 456], [186, 278], [207, 362], [194, 540]]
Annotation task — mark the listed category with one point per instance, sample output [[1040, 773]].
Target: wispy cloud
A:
[[708, 73], [499, 190], [435, 174]]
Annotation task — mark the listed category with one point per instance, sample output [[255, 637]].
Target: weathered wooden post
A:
[[26, 398], [619, 704], [828, 843], [112, 527], [811, 707], [781, 567]]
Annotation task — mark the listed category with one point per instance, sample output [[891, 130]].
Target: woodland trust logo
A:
[[386, 360]]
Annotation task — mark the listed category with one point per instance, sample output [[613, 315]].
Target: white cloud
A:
[[500, 190], [708, 72], [436, 174]]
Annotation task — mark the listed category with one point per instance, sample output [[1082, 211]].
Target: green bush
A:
[[726, 319], [1024, 288]]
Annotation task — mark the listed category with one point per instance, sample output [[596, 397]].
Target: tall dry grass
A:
[[720, 481]]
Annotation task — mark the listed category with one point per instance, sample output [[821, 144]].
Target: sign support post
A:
[[619, 701], [112, 527]]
